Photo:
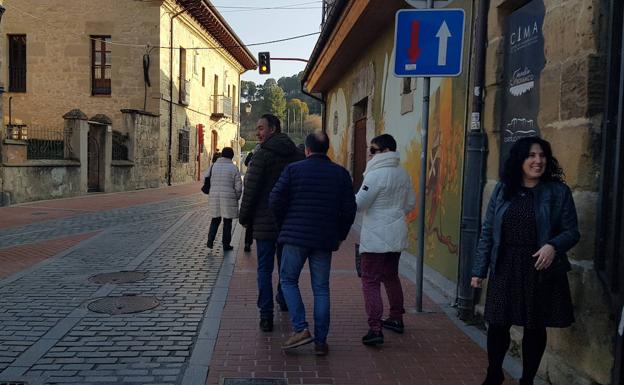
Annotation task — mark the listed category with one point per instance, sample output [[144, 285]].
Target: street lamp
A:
[[248, 108]]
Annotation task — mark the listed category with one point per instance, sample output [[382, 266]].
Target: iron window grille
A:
[[17, 63], [44, 143], [120, 146], [183, 145]]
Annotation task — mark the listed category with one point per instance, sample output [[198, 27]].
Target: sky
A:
[[253, 25]]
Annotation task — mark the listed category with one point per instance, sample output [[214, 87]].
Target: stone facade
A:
[[571, 103], [59, 71]]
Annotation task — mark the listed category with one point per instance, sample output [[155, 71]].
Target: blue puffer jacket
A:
[[314, 203], [556, 219]]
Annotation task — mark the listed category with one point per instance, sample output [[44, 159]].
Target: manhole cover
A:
[[118, 277], [123, 305], [254, 381]]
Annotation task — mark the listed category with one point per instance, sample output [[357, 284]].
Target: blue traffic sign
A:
[[429, 42]]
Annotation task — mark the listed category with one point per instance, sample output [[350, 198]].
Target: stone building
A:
[[535, 67], [154, 85]]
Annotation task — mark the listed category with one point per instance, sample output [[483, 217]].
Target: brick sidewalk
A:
[[32, 212], [432, 351]]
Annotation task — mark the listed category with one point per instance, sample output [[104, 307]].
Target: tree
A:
[[248, 91], [274, 101]]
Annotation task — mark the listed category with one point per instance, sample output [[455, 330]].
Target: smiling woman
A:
[[529, 226]]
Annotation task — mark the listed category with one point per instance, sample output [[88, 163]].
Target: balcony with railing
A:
[[222, 107]]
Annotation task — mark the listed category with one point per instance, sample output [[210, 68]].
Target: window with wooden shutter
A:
[[17, 63], [101, 61]]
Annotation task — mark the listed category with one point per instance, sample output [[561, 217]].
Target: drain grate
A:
[[254, 381], [117, 277], [123, 305], [13, 383]]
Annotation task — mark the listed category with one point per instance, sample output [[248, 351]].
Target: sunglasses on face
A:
[[374, 150]]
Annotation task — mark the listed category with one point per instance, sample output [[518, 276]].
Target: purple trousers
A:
[[378, 268]]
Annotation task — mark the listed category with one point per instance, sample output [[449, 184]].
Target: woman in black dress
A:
[[529, 226]]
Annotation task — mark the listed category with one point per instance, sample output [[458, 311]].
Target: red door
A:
[[359, 153]]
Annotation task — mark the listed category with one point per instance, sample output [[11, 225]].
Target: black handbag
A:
[[206, 187]]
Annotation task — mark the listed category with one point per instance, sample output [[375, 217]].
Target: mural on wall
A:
[[524, 62], [446, 142]]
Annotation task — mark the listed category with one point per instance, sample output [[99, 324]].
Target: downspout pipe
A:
[[170, 137], [474, 172], [321, 100]]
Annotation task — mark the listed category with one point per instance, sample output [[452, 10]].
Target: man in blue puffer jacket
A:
[[314, 205]]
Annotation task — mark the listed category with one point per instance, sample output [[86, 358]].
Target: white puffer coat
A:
[[225, 189], [385, 197]]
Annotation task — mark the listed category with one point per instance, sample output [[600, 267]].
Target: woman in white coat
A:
[[385, 197], [225, 191]]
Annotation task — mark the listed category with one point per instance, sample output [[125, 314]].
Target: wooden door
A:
[[359, 153]]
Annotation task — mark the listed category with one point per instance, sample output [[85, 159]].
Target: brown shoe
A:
[[321, 349], [298, 339]]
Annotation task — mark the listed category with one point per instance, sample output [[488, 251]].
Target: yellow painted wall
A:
[[389, 111]]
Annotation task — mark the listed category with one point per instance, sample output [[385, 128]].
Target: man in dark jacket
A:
[[314, 203], [276, 151]]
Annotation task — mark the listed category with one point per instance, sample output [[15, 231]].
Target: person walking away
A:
[[225, 191], [216, 155], [276, 151], [385, 198], [314, 205], [529, 226], [249, 228]]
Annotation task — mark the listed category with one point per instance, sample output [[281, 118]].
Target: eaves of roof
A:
[[208, 17], [351, 27]]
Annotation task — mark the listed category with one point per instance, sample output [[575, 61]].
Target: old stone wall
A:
[[54, 179], [571, 100], [59, 57]]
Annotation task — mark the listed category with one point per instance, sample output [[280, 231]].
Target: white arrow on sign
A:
[[443, 36]]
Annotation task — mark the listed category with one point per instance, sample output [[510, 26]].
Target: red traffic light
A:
[[264, 63]]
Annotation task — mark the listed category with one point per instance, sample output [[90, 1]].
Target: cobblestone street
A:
[[198, 323], [47, 334]]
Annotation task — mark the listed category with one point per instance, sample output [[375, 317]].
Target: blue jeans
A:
[[266, 249], [293, 259]]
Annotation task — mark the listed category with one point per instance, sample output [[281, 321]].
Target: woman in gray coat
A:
[[225, 191]]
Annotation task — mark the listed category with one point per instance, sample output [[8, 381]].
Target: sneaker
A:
[[394, 325], [266, 324], [298, 339], [321, 349], [247, 248], [373, 338], [228, 247]]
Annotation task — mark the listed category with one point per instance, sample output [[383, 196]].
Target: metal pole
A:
[[420, 258]]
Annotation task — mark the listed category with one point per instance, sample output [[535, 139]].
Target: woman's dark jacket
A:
[[314, 203], [556, 221], [265, 168]]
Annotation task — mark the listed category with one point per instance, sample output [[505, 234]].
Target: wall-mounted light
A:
[[248, 108], [2, 9]]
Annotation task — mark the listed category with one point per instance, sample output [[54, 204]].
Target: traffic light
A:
[[264, 63]]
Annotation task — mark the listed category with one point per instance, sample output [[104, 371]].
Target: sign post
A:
[[428, 43]]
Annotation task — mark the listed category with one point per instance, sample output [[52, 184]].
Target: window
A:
[[101, 61], [182, 75], [17, 63], [215, 98], [183, 145], [203, 76]]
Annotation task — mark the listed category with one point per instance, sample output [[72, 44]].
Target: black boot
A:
[[494, 378]]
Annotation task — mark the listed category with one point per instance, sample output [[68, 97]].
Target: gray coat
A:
[[225, 189]]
